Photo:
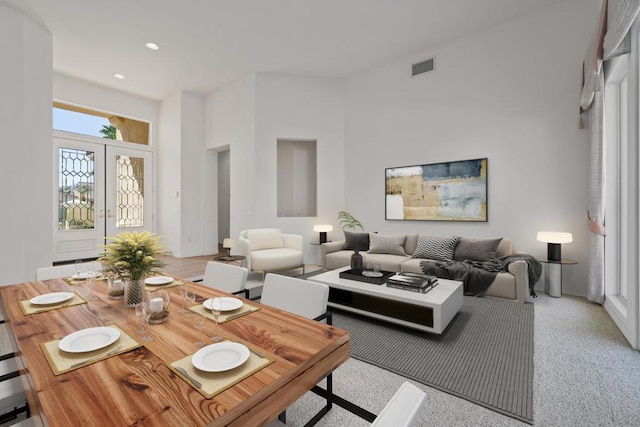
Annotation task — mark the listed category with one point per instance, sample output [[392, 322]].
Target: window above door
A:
[[71, 118]]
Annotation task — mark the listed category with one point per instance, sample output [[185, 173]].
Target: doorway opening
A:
[[224, 198]]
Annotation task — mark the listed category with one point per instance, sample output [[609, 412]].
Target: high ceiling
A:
[[205, 44]]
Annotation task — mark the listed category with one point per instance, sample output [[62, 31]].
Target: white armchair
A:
[[269, 250]]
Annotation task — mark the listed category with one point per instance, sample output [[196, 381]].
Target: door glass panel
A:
[[129, 191], [75, 189]]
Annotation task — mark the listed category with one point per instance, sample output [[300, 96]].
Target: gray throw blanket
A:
[[477, 276]]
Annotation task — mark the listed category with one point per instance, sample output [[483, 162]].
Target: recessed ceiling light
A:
[[118, 76], [153, 46]]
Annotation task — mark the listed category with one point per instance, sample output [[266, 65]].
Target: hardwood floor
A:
[[192, 267]]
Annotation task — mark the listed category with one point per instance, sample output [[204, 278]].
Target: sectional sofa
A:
[[405, 252]]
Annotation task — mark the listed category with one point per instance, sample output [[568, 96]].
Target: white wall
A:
[[169, 182], [290, 107], [185, 201], [230, 119], [249, 117], [509, 93], [193, 163], [25, 120]]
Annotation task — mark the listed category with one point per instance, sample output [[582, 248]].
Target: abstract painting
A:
[[451, 191]]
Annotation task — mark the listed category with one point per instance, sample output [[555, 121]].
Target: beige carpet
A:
[[485, 355]]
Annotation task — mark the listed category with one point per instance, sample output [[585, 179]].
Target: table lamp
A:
[[554, 239], [228, 244], [323, 229]]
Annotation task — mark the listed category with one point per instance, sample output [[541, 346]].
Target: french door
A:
[[100, 190]]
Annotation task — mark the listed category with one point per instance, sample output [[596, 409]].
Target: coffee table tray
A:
[[357, 275]]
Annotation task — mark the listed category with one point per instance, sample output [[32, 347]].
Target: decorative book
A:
[[412, 282]]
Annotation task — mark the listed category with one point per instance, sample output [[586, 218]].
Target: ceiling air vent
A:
[[423, 67]]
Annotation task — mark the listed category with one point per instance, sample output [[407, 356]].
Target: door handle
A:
[[101, 213], [109, 213]]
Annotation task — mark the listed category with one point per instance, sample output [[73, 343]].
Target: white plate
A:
[[220, 357], [225, 303], [158, 280], [80, 276], [372, 273], [89, 339], [52, 298]]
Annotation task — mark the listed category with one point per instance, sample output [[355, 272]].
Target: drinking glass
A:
[[183, 292], [189, 300], [216, 303], [143, 314], [91, 280], [199, 321], [79, 268]]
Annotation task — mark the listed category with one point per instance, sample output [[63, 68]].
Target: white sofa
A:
[[269, 250], [512, 285]]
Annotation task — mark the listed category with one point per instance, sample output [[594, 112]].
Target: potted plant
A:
[[131, 257], [349, 221]]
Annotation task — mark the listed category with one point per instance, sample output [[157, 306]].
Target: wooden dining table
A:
[[139, 387]]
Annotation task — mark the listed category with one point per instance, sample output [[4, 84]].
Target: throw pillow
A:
[[356, 240], [383, 244], [476, 249], [436, 247]]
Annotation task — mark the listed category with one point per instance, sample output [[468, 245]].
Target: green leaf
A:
[[348, 221]]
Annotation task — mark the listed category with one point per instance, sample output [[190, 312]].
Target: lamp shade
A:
[[228, 243], [554, 237], [323, 229]]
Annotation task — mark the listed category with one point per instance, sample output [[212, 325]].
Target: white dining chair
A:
[[299, 296], [13, 400], [402, 410], [65, 270], [226, 277], [304, 298]]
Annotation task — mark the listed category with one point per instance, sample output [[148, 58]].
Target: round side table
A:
[[553, 275], [230, 258]]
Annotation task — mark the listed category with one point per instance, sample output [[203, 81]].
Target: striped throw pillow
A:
[[436, 247]]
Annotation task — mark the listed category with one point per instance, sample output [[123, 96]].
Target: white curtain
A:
[[592, 64], [621, 14], [591, 106], [616, 17], [595, 279]]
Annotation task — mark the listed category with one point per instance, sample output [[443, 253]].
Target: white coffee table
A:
[[430, 312]]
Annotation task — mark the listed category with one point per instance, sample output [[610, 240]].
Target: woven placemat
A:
[[74, 282], [213, 383], [227, 315], [168, 285], [62, 362], [28, 308]]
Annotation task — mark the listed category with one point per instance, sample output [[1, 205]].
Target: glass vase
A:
[[356, 261], [133, 292]]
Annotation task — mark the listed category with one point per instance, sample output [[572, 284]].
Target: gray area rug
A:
[[484, 356]]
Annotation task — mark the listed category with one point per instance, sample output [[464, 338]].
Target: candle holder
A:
[[159, 301], [115, 288]]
